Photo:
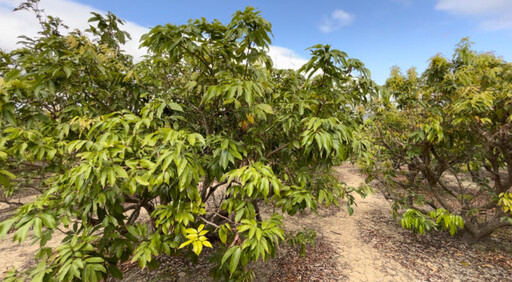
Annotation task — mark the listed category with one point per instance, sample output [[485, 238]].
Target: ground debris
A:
[[367, 246], [437, 256], [288, 265]]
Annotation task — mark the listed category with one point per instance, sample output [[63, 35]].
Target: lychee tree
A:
[[443, 143], [125, 157]]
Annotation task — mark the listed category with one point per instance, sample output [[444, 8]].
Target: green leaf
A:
[[223, 235], [243, 227], [8, 174], [11, 74], [115, 272], [258, 234], [94, 260], [5, 226], [141, 181], [120, 171], [227, 254], [350, 209], [235, 258], [175, 107], [68, 71], [266, 108], [22, 232], [111, 176], [48, 220]]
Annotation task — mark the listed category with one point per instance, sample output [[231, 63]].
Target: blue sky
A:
[[381, 33]]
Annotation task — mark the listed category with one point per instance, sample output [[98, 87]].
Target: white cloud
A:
[[75, 15], [491, 14], [336, 20], [285, 58]]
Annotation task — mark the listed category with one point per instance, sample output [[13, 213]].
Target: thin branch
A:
[[445, 187], [11, 203], [203, 117], [212, 189], [209, 222], [278, 149], [224, 217]]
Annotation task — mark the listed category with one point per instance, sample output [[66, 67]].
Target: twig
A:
[[209, 222], [216, 213], [278, 149]]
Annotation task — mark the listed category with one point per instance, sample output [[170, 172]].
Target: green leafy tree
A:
[[167, 155], [443, 143]]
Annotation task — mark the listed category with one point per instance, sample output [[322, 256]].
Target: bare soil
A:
[[367, 246]]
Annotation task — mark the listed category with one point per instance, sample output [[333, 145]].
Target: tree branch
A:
[[209, 222], [278, 149]]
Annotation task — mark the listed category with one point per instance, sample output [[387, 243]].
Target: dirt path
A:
[[359, 260], [367, 246], [21, 256]]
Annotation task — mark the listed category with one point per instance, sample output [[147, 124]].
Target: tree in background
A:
[[443, 143], [104, 141]]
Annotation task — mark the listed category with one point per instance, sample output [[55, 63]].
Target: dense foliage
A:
[[443, 143], [167, 155]]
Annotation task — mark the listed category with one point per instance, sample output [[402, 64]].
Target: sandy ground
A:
[[361, 261], [21, 256], [367, 246]]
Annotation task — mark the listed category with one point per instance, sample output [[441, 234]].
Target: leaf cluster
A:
[[128, 158]]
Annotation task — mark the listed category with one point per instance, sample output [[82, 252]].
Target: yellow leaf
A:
[[71, 40], [185, 244], [250, 118], [197, 247]]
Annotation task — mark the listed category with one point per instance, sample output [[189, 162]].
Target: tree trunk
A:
[[206, 184], [469, 238], [474, 233]]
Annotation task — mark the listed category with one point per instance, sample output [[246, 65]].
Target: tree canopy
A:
[[103, 140], [203, 143], [443, 143]]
